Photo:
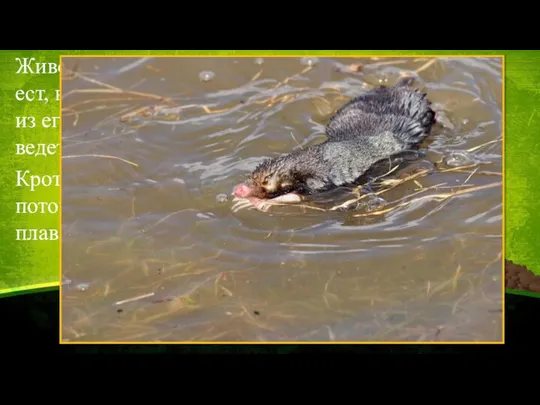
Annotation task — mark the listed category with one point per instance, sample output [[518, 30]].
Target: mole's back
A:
[[398, 109]]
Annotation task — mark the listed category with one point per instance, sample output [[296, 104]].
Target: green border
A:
[[32, 289], [36, 263], [523, 293]]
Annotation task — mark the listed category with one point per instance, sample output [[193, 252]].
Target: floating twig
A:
[[482, 145], [140, 297], [426, 65], [442, 196], [102, 156]]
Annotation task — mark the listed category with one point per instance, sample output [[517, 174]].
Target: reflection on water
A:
[[151, 253]]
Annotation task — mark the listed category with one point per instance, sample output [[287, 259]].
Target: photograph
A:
[[282, 199]]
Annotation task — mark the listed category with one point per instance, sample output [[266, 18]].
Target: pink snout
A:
[[242, 191]]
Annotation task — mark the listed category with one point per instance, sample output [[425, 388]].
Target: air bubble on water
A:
[[206, 76], [456, 159], [82, 287], [375, 203], [259, 61], [309, 61], [383, 78], [222, 198], [465, 121]]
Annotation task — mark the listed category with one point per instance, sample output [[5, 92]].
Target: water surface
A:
[[150, 253]]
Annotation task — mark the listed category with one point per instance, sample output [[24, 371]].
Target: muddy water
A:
[[151, 254]]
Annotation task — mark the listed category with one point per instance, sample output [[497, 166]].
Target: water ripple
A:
[[128, 223]]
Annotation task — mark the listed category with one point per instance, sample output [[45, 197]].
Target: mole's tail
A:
[[401, 109], [414, 116]]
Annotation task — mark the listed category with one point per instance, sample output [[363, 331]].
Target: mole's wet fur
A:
[[376, 125]]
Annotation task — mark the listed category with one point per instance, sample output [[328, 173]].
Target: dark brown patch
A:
[[518, 277]]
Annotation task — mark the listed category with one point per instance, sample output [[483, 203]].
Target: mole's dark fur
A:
[[376, 125]]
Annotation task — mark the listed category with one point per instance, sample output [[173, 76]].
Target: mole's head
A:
[[270, 179]]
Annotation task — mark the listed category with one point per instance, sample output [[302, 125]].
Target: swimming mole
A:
[[376, 125]]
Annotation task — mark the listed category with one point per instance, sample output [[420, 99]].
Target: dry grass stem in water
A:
[[288, 79], [257, 75], [459, 188], [140, 297], [388, 63], [484, 144], [112, 89], [294, 139], [99, 100], [275, 98], [102, 156], [426, 65], [442, 196], [478, 173], [119, 96]]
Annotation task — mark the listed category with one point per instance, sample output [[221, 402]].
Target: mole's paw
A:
[[250, 204], [241, 204], [430, 118], [261, 205]]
